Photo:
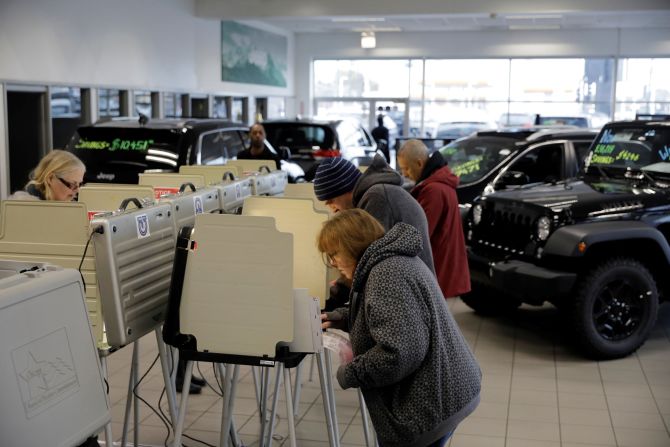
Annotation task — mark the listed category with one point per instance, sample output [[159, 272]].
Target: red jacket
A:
[[437, 195]]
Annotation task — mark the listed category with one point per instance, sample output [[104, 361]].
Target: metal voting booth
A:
[[50, 377], [233, 301]]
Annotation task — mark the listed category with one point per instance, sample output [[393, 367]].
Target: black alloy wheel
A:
[[615, 308]]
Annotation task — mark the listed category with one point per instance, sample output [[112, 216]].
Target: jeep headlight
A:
[[476, 214], [543, 228]]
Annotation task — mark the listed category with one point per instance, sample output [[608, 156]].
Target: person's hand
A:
[[346, 354], [325, 323]]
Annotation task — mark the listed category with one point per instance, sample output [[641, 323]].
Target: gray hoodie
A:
[[415, 369], [378, 192]]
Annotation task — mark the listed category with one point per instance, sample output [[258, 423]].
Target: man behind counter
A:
[[257, 149]]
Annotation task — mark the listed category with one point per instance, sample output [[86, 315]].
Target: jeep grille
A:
[[504, 231]]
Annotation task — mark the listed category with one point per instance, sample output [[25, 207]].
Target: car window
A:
[[541, 164], [581, 151], [473, 158], [351, 135], [218, 147], [298, 135]]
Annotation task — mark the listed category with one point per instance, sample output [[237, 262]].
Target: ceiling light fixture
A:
[[368, 39], [357, 19], [533, 27]]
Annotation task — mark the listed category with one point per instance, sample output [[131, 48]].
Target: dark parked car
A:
[[118, 150], [310, 141], [491, 161], [595, 246]]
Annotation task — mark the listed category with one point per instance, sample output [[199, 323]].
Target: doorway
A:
[[28, 136]]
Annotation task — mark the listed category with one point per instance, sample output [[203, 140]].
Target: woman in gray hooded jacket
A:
[[416, 371]]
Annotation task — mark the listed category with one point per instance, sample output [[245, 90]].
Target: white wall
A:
[[125, 43], [144, 44], [470, 44]]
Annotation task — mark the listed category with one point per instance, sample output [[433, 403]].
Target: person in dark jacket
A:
[[381, 136], [417, 374], [378, 191], [257, 148], [435, 190]]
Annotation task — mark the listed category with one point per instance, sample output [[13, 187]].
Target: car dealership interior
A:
[[179, 265]]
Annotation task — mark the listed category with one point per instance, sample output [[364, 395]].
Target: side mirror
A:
[[512, 178], [284, 153]]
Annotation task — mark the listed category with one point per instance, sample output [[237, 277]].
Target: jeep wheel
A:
[[615, 308], [487, 301]]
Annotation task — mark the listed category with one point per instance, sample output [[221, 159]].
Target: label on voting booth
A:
[[142, 226], [197, 205], [160, 191]]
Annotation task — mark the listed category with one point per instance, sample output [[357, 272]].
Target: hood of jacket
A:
[[401, 240], [378, 172], [436, 170]]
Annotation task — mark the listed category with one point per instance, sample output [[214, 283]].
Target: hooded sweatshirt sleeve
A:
[[400, 334]]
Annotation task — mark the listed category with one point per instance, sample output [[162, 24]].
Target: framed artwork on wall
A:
[[253, 56]]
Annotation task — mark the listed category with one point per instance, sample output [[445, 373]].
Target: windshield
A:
[[634, 148], [472, 158], [119, 154], [299, 135]]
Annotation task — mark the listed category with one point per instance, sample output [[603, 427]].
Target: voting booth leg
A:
[[130, 399], [331, 421], [297, 387], [169, 384], [181, 414], [230, 386], [265, 386], [275, 399], [331, 391], [257, 386], [108, 428], [364, 417], [289, 406]]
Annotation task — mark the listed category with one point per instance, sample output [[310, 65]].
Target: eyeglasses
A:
[[70, 185], [330, 258]]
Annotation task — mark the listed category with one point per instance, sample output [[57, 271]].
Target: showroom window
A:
[[448, 96], [642, 87], [171, 105], [142, 103], [108, 103]]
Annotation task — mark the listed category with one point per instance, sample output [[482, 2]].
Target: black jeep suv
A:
[[494, 160], [595, 246]]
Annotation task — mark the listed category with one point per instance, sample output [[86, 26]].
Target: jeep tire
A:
[[488, 301], [615, 308]]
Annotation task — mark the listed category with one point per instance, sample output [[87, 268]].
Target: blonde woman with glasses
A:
[[58, 176]]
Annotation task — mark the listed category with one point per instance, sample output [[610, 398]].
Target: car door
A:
[[539, 163], [218, 146]]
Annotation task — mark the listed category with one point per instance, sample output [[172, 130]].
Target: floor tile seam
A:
[[653, 396], [607, 403]]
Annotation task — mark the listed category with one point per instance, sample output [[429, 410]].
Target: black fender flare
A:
[[565, 240]]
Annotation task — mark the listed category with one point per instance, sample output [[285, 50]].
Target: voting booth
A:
[[212, 173], [134, 256], [299, 218], [169, 183], [50, 379], [105, 197], [232, 300], [304, 191], [56, 233]]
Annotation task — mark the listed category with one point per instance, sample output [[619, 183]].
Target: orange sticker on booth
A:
[[162, 191], [91, 214]]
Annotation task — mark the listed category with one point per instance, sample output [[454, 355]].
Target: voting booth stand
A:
[[51, 382], [233, 302]]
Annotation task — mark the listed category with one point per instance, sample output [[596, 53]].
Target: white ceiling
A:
[[473, 22], [327, 16]]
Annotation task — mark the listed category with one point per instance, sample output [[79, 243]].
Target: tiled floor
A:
[[537, 392]]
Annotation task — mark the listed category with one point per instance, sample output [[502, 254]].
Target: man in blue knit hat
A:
[[378, 191]]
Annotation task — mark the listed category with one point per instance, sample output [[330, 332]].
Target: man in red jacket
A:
[[435, 190]]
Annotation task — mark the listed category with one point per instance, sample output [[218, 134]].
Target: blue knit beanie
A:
[[334, 177]]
